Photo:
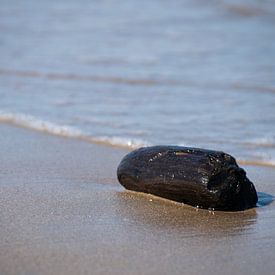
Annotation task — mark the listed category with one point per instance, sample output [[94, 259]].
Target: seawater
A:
[[132, 73]]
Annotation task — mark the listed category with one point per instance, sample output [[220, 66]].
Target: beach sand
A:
[[63, 212]]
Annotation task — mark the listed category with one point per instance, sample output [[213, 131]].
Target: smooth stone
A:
[[198, 177]]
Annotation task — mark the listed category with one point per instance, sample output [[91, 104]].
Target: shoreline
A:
[[92, 140], [64, 212]]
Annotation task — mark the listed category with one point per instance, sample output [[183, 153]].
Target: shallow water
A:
[[136, 72]]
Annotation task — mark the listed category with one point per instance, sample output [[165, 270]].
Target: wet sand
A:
[[63, 212]]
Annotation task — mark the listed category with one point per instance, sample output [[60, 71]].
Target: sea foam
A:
[[37, 124], [34, 123]]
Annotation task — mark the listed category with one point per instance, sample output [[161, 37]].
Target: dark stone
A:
[[203, 178]]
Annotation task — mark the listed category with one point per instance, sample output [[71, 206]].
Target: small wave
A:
[[248, 9], [139, 81], [267, 163], [122, 142], [245, 11], [104, 79], [268, 141], [33, 123]]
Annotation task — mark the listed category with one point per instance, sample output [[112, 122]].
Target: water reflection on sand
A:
[[156, 213]]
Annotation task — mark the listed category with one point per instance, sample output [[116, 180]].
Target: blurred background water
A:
[[196, 73]]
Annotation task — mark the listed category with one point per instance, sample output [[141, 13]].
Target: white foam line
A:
[[33, 123], [121, 141]]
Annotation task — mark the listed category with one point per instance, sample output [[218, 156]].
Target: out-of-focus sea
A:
[[128, 73]]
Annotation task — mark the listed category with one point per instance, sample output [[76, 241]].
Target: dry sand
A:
[[63, 212]]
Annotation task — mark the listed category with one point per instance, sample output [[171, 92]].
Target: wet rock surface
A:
[[198, 177]]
